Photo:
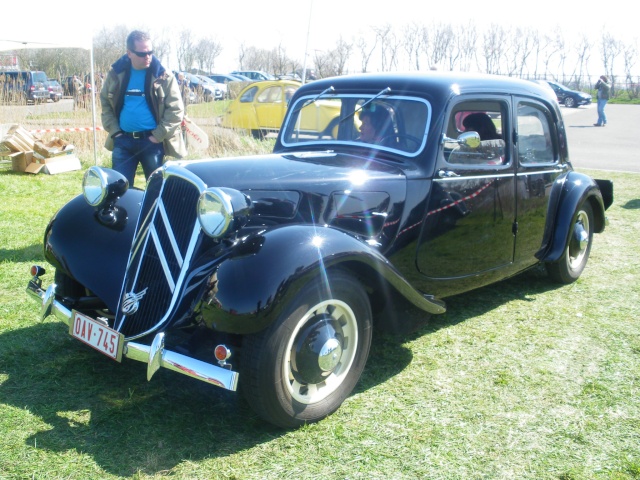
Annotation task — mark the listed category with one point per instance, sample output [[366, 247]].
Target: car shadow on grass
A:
[[127, 425], [91, 404]]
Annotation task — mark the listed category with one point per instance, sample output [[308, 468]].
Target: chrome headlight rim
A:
[[215, 212], [93, 198]]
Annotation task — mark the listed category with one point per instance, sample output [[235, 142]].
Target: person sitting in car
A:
[[491, 150], [376, 125]]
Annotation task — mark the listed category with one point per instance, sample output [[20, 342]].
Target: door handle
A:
[[447, 174]]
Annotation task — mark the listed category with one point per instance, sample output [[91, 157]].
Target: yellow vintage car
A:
[[261, 106]]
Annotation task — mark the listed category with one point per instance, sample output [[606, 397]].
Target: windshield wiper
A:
[[313, 100], [383, 92]]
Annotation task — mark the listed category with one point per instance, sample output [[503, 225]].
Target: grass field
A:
[[520, 380]]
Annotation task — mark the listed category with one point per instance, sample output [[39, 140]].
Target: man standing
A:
[[142, 110], [603, 88]]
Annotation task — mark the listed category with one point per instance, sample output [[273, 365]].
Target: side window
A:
[[248, 95], [535, 143], [270, 95], [487, 119]]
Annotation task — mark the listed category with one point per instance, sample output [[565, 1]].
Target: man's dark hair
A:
[[136, 36]]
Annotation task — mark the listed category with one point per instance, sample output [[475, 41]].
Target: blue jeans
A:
[[128, 152], [602, 117]]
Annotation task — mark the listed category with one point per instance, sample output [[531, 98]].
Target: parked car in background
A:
[[255, 75], [205, 90], [55, 90], [568, 97], [219, 89], [28, 86], [261, 106], [264, 272], [227, 78]]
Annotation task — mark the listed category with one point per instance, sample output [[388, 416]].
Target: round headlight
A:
[[101, 186], [215, 212], [94, 186]]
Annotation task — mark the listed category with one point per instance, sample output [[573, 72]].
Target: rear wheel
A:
[[301, 368], [570, 266]]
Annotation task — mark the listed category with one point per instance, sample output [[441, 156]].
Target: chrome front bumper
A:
[[154, 355]]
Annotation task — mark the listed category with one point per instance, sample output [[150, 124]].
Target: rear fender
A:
[[249, 288], [569, 192]]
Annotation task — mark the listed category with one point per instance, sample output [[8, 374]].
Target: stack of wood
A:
[[30, 154]]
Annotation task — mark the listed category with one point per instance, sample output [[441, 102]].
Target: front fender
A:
[[89, 252], [569, 192], [250, 286]]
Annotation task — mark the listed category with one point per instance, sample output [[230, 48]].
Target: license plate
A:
[[104, 339]]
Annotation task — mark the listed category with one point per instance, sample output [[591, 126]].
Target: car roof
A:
[[262, 84], [434, 86]]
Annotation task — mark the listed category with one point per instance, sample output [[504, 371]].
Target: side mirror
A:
[[468, 139]]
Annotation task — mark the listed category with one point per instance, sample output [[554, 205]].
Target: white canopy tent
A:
[[14, 38]]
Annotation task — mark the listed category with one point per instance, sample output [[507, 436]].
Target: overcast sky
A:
[[300, 25]]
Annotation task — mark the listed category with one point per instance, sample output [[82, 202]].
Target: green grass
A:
[[520, 380]]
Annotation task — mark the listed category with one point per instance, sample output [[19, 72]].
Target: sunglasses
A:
[[142, 54]]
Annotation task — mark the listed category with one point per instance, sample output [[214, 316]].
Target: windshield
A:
[[380, 121]]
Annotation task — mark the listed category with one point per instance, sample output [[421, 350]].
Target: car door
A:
[[539, 164], [469, 224], [270, 106]]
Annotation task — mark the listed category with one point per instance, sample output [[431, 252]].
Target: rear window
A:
[[39, 77]]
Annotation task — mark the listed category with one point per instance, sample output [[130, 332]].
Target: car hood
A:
[[357, 194]]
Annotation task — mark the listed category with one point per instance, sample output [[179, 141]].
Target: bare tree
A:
[[466, 38], [388, 43], [108, 46], [280, 61], [366, 51], [522, 44], [412, 42], [493, 48], [630, 56], [549, 48], [341, 55], [162, 43], [583, 52], [206, 52], [332, 62], [186, 51], [610, 49]]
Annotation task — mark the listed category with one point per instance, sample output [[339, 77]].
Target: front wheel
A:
[[570, 266], [302, 367], [570, 102]]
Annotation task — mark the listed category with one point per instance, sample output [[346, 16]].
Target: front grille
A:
[[167, 232]]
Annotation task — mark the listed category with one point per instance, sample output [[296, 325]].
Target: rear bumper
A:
[[154, 355]]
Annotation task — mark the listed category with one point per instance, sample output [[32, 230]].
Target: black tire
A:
[[303, 366], [570, 102], [576, 253], [258, 134]]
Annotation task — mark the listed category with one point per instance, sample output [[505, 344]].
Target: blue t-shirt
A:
[[136, 116]]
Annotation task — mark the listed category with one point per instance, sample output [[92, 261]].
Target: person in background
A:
[[603, 88], [185, 89], [142, 110]]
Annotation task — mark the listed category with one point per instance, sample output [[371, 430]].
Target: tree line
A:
[[505, 50]]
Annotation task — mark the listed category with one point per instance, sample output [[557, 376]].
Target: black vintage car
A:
[[264, 272]]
